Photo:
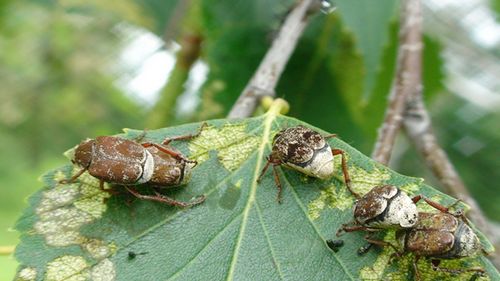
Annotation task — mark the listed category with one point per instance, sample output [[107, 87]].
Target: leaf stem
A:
[[265, 78], [275, 106], [6, 250]]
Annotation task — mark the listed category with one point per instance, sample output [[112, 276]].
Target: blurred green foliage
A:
[[60, 62]]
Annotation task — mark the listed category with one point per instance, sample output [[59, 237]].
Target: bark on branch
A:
[[407, 79], [267, 75], [418, 127]]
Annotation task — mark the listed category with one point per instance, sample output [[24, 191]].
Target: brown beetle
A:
[[306, 151], [440, 236], [126, 162], [385, 207], [437, 236]]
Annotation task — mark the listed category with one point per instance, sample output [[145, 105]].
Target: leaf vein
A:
[[273, 255]]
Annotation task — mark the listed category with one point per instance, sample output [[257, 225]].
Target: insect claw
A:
[[198, 200], [364, 249], [393, 257]]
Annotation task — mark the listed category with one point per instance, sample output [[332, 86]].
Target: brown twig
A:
[[407, 80], [265, 78], [418, 127]]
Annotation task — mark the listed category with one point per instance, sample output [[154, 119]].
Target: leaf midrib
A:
[[268, 121]]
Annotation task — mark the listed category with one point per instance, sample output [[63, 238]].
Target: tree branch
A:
[[407, 80], [418, 127], [265, 78]]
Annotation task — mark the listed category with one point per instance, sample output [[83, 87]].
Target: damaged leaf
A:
[[78, 232]]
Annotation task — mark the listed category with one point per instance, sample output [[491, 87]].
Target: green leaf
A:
[[77, 232], [369, 22], [161, 12]]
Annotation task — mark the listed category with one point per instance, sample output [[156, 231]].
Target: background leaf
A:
[[75, 231], [369, 24]]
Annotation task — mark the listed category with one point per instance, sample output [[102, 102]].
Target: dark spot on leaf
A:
[[230, 197]]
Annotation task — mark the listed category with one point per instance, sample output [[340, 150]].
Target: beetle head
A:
[[83, 153]]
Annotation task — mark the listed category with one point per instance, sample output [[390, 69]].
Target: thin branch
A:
[[265, 78], [407, 80], [418, 127]]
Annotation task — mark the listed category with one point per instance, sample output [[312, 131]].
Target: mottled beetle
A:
[[307, 151], [438, 236], [126, 162], [384, 207]]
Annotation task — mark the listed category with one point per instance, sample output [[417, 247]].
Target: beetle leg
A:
[[141, 136], [264, 169], [274, 162], [382, 243], [459, 213], [110, 190], [435, 266], [177, 154], [353, 228], [417, 198], [165, 199], [278, 182], [347, 178], [415, 268], [73, 178], [330, 136], [350, 228], [168, 151], [434, 204], [166, 141], [364, 249]]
